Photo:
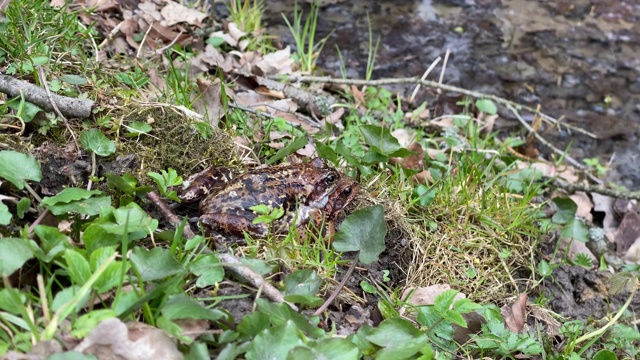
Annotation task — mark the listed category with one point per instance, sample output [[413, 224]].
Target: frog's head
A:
[[342, 196], [325, 180]]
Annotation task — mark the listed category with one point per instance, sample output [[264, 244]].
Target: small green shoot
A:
[[165, 180], [267, 213]]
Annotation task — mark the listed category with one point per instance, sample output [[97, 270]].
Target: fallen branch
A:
[[544, 142], [70, 107], [431, 84], [598, 189]]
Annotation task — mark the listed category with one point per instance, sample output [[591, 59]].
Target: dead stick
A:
[[43, 81], [70, 107], [544, 142], [598, 189], [431, 84], [336, 291]]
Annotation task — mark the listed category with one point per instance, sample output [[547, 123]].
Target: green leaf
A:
[[137, 128], [544, 269], [111, 276], [486, 106], [605, 355], [25, 110], [306, 300], [182, 307], [258, 265], [130, 218], [326, 152], [373, 157], [302, 282], [464, 306], [274, 343], [380, 139], [444, 300], [208, 270], [280, 313], [90, 207], [77, 267], [74, 79], [454, 317], [76, 200], [155, 264], [398, 338], [332, 348], [94, 140], [65, 295], [14, 252], [575, 229], [5, 215], [94, 237], [23, 207], [17, 167], [567, 209], [52, 242], [297, 144], [8, 301], [364, 230], [69, 195], [252, 324]]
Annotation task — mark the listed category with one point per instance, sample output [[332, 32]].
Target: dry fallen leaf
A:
[[114, 339], [584, 205], [415, 161], [209, 103], [334, 117], [426, 295], [175, 13], [514, 315], [275, 63], [443, 122], [628, 232]]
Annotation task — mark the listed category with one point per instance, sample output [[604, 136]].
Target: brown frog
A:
[[310, 188]]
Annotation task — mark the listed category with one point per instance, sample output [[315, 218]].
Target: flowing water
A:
[[578, 59]]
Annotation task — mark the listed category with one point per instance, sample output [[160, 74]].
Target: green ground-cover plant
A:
[[115, 262]]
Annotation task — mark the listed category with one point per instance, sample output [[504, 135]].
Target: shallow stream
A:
[[577, 59]]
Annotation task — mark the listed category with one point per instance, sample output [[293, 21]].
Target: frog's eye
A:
[[346, 192], [329, 179]]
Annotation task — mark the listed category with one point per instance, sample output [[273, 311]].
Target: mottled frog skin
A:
[[307, 192]]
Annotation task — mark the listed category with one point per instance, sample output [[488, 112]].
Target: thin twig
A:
[[337, 290], [444, 68], [43, 81], [144, 38], [598, 189], [544, 142], [428, 83], [424, 76], [163, 49], [93, 170]]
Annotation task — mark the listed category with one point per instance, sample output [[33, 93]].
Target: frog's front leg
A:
[[234, 223], [206, 182]]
